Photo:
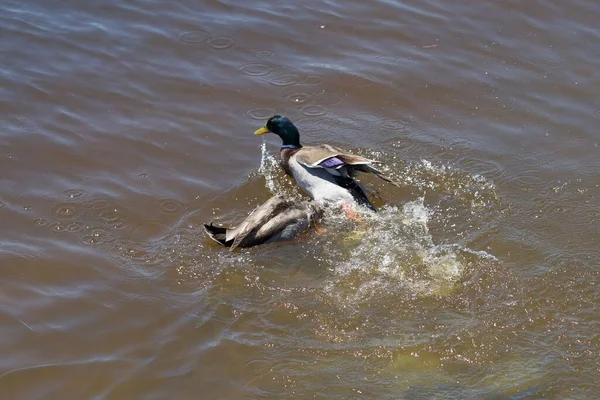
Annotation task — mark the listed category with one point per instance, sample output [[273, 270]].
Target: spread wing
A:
[[332, 158]]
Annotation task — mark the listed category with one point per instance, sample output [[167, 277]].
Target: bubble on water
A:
[[27, 207]]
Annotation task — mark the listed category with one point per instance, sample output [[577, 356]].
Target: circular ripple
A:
[[313, 80], [2, 204], [299, 98], [327, 99], [58, 227], [553, 62], [387, 59], [67, 211], [170, 206], [115, 217], [261, 114], [150, 229], [73, 193], [391, 124], [506, 106], [194, 36], [285, 79], [96, 204], [94, 238], [41, 222], [314, 111], [256, 69], [220, 43], [360, 80], [264, 53], [75, 226], [597, 113]]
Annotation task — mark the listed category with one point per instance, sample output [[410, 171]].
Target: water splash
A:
[[268, 166], [396, 254]]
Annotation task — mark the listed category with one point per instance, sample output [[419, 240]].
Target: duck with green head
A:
[[326, 173]]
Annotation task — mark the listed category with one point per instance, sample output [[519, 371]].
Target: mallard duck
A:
[[279, 218], [326, 173]]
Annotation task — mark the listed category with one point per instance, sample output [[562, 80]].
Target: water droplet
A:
[[194, 36], [27, 207], [143, 175], [220, 43]]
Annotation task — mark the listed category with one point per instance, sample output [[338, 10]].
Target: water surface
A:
[[126, 125]]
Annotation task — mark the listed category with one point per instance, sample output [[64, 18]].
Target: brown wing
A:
[[312, 156]]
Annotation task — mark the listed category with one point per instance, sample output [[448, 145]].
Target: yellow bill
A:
[[261, 131]]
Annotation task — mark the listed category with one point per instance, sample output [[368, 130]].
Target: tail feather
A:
[[218, 234]]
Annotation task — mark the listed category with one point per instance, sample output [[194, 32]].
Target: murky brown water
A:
[[126, 125]]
